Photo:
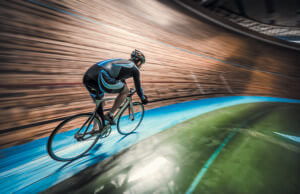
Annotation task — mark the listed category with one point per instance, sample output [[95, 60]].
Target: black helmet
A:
[[137, 56]]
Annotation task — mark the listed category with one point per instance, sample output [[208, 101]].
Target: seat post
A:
[[98, 101]]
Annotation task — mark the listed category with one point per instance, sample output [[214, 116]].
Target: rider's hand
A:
[[145, 100]]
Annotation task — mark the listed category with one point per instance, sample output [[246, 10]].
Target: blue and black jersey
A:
[[109, 76]]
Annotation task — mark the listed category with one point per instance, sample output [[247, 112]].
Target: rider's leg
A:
[[100, 111], [120, 99], [92, 88]]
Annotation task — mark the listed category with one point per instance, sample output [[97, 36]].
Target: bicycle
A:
[[66, 134]]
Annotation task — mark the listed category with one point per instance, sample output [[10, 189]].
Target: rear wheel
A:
[[67, 141], [131, 118]]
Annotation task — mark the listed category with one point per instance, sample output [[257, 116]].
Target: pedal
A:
[[109, 118]]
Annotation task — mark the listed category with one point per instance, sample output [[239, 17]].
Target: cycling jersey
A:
[[109, 76]]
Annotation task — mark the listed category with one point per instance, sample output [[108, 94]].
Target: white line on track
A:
[[197, 83], [226, 83]]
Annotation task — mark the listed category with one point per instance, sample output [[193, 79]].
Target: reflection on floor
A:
[[294, 138]]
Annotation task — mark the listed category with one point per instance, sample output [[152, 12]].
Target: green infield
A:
[[231, 150]]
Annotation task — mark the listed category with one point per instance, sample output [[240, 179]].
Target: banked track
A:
[[29, 169], [46, 46]]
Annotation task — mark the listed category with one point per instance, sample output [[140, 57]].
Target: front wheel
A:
[[131, 118], [67, 142]]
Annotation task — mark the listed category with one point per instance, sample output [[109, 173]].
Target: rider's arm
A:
[[137, 83]]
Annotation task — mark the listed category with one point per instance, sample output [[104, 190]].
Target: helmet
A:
[[137, 56]]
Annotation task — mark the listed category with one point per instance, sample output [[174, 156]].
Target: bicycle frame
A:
[[128, 101]]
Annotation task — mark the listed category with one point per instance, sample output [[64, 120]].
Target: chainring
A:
[[106, 131]]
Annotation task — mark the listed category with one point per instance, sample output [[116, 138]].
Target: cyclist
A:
[[109, 77]]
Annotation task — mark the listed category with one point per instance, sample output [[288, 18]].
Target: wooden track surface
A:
[[46, 46]]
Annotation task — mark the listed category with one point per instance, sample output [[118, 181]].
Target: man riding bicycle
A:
[[109, 77]]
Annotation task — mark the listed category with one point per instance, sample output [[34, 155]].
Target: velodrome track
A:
[[46, 46], [28, 168]]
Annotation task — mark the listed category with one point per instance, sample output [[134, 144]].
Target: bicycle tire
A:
[[119, 128], [50, 150]]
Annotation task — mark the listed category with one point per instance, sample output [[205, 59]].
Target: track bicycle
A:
[[76, 135]]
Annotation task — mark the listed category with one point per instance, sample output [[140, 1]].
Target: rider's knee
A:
[[125, 91]]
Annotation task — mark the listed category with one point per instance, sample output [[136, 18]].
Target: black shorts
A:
[[92, 87]]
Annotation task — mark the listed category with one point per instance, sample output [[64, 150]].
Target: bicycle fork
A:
[[130, 111]]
